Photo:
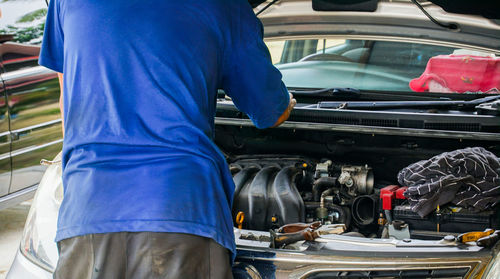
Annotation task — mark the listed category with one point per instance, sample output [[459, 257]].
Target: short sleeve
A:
[[249, 77], [52, 50]]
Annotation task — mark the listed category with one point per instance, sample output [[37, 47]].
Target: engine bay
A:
[[274, 192]]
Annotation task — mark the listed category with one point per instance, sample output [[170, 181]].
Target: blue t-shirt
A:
[[140, 85]]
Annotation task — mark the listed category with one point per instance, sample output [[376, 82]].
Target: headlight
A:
[[37, 243]]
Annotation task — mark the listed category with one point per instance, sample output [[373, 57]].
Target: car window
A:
[[384, 65]]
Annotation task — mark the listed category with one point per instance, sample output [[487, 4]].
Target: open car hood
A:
[[486, 8], [255, 3]]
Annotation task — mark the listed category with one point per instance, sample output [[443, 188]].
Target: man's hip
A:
[[142, 255]]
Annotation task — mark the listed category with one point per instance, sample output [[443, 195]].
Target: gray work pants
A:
[[141, 255]]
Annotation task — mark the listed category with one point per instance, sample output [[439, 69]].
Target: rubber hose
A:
[[320, 185], [363, 210]]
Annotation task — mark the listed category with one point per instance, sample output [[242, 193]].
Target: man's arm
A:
[[52, 48], [249, 77], [61, 99]]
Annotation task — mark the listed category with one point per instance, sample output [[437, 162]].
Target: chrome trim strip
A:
[[37, 126], [367, 129], [17, 197], [334, 260], [33, 148], [5, 156], [26, 73], [3, 134]]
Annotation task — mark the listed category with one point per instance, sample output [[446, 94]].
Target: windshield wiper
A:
[[337, 92], [459, 105], [327, 91], [347, 93]]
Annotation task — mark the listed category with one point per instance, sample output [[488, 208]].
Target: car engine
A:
[[273, 191]]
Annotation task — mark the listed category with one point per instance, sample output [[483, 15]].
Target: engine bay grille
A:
[[315, 116], [380, 122], [452, 273], [469, 127]]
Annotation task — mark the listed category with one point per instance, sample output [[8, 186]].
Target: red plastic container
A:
[[459, 74]]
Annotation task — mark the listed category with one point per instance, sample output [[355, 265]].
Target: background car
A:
[[30, 125], [356, 125]]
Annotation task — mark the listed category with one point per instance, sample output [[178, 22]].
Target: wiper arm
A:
[[479, 101], [460, 105]]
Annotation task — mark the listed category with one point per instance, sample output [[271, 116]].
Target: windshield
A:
[[384, 65]]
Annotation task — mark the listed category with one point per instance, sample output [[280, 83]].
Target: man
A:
[[147, 194]]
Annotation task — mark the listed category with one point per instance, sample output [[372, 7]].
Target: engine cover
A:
[[268, 196]]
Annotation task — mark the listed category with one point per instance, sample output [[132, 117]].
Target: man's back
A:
[[140, 70], [140, 83]]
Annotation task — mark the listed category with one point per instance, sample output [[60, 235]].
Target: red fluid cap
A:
[[387, 194]]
